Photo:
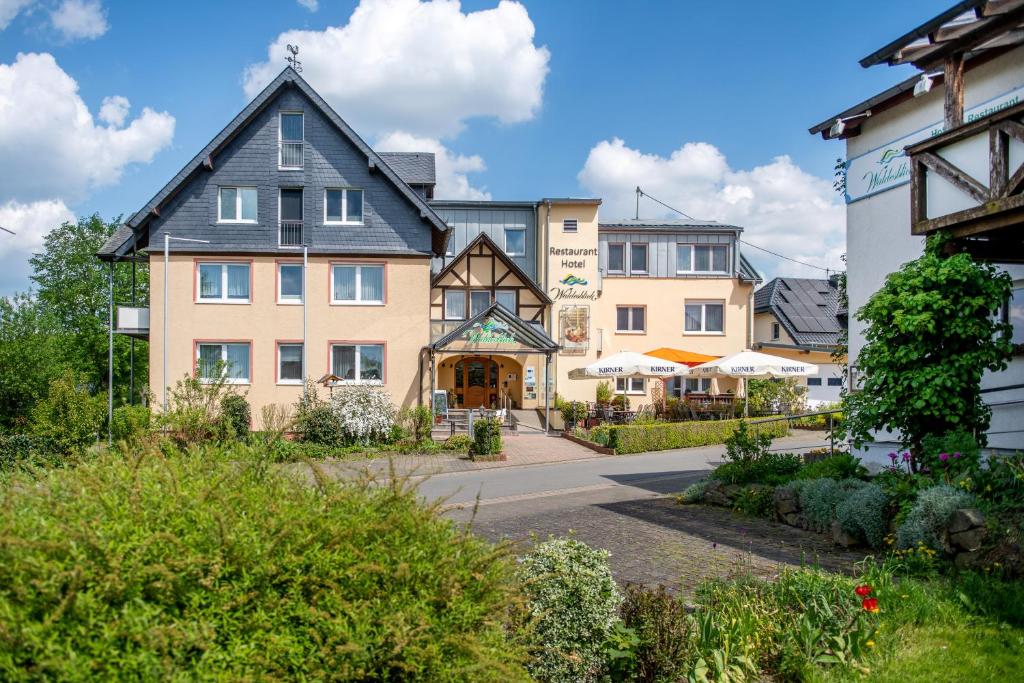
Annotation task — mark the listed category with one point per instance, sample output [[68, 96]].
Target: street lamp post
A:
[[167, 260]]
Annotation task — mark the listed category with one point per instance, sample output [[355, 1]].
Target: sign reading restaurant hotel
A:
[[572, 286], [887, 167]]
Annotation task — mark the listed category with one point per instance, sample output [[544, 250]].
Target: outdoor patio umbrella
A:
[[749, 364], [626, 364]]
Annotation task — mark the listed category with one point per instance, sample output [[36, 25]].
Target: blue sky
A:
[[696, 102]]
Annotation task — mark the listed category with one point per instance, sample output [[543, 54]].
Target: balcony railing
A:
[[291, 154], [132, 321], [291, 234], [970, 179]]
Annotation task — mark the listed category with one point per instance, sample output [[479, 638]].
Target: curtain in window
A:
[[238, 281], [372, 283], [638, 258], [291, 127], [291, 282], [683, 256], [478, 302], [209, 357], [355, 205], [248, 203], [638, 319], [344, 286], [343, 361], [719, 259], [713, 315], [693, 317], [228, 200], [291, 361], [455, 305], [616, 258], [371, 362], [237, 361], [507, 298], [622, 318], [702, 259], [209, 281], [334, 205]]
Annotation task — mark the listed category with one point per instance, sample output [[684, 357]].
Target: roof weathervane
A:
[[293, 61]]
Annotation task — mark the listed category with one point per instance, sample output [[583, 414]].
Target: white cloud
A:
[[80, 19], [781, 207], [421, 67], [311, 5], [10, 9], [50, 145], [114, 110], [31, 222], [451, 168]]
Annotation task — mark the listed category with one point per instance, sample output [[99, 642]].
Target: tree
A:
[[931, 333], [73, 289]]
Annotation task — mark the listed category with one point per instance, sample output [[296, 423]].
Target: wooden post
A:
[[998, 162], [954, 84]]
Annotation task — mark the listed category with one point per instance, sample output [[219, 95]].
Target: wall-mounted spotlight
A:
[[840, 126], [925, 84]]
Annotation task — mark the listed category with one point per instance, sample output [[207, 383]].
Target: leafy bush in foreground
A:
[[130, 422], [486, 436], [771, 468], [663, 629], [929, 513], [839, 466], [68, 418], [574, 603], [865, 514], [820, 497], [210, 565], [627, 439], [236, 415]]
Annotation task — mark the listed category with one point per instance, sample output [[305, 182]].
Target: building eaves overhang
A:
[[824, 348], [205, 159], [530, 334], [500, 254]]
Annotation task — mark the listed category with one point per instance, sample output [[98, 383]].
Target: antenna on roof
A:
[[293, 61], [6, 230]]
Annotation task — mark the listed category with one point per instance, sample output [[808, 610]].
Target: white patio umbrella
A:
[[749, 364], [627, 364]]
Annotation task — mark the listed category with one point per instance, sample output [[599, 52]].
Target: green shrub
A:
[[603, 393], [663, 436], [756, 501], [193, 410], [236, 416], [415, 422], [865, 514], [694, 493], [486, 436], [210, 565], [366, 413], [929, 513], [573, 412], [820, 497], [27, 450], [663, 629], [69, 419], [771, 468], [839, 466], [315, 420], [574, 603], [130, 422], [962, 455], [458, 442]]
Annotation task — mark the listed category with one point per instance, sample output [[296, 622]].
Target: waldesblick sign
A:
[[886, 167]]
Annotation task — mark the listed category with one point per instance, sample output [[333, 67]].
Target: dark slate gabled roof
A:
[[287, 78], [806, 309], [120, 237], [415, 168]]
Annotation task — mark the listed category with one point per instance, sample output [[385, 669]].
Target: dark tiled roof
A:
[[122, 235], [415, 168], [806, 309]]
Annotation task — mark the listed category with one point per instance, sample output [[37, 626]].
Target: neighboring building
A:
[[493, 302], [798, 318], [942, 150]]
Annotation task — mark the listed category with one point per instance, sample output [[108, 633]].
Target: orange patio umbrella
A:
[[687, 358]]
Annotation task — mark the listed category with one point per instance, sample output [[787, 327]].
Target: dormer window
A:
[[291, 140]]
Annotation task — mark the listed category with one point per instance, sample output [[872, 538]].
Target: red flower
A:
[[863, 591], [870, 604]]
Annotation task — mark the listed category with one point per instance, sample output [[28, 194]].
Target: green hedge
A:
[[627, 439]]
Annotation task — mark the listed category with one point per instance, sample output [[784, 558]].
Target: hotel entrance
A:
[[476, 382]]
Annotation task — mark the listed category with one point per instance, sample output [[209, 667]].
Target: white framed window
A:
[[638, 257], [631, 319], [289, 363], [454, 304], [630, 385], [700, 385], [616, 257], [507, 298], [232, 359], [479, 300], [343, 206], [702, 258], [291, 134], [289, 283], [236, 205], [704, 317], [776, 331], [357, 284], [358, 363], [515, 241], [570, 225], [223, 283]]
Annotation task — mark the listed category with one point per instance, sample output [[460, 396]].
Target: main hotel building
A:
[[494, 302]]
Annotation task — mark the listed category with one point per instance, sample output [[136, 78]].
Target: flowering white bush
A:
[[365, 412], [576, 604]]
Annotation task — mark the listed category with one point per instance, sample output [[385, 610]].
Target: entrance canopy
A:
[[496, 330], [688, 358]]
